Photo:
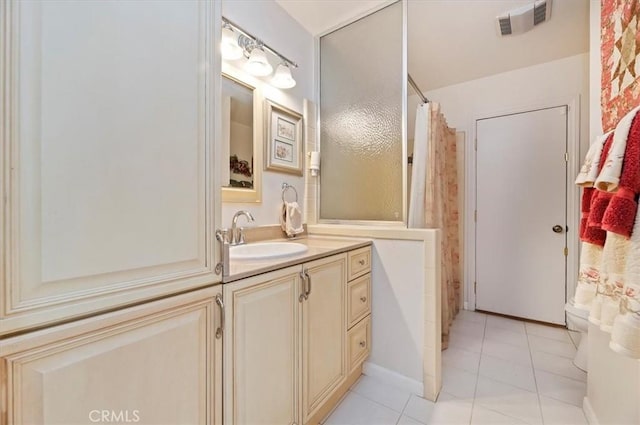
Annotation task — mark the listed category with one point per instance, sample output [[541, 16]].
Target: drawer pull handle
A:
[[363, 299], [363, 344], [361, 262], [220, 330]]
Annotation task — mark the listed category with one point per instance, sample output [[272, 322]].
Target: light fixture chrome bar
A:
[[256, 39], [417, 89]]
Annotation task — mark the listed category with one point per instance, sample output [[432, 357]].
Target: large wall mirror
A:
[[241, 141]]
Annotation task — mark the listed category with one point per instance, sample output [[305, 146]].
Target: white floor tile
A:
[[512, 325], [488, 378], [461, 359], [471, 316], [561, 388], [459, 383], [575, 337], [381, 393], [505, 336], [465, 341], [556, 364], [483, 416], [419, 409], [555, 412], [546, 345], [551, 332], [507, 372], [467, 327], [512, 353], [357, 410], [508, 400], [405, 420], [451, 411]]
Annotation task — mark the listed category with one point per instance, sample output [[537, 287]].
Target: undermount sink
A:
[[266, 250]]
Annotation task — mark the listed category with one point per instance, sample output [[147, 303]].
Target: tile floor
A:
[[496, 371]]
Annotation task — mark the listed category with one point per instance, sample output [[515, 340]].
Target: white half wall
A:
[[272, 24], [398, 312], [406, 306]]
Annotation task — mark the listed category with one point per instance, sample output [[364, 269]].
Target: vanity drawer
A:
[[359, 342], [359, 262], [359, 299]]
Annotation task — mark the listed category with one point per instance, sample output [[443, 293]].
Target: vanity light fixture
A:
[[258, 64], [255, 51], [282, 79], [229, 48]]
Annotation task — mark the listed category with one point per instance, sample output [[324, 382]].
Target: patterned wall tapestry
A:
[[620, 59]]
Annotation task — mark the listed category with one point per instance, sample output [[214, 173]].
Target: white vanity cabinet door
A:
[[157, 363], [262, 347], [324, 327], [106, 154]]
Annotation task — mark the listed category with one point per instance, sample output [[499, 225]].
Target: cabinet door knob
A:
[[363, 299], [361, 262], [363, 343]]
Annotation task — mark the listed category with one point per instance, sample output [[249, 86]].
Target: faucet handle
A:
[[240, 240], [222, 235]]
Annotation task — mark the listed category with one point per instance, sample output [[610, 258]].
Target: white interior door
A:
[[521, 197]]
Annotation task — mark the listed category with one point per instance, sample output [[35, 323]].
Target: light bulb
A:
[[229, 48], [258, 64], [282, 78]]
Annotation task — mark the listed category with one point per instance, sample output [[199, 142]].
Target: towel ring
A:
[[287, 186]]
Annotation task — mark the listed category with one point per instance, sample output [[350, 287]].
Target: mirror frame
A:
[[236, 194]]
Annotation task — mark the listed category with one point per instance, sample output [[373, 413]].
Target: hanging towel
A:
[[589, 170], [621, 212], [599, 202], [609, 176], [588, 275], [291, 219], [625, 335]]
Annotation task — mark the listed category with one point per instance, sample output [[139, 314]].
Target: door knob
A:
[[557, 228]]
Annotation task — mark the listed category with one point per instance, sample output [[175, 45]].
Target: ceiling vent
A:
[[524, 18]]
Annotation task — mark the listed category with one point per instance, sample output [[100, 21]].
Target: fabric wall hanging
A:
[[620, 20]]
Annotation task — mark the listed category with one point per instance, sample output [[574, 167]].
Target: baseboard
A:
[[589, 413], [393, 378]]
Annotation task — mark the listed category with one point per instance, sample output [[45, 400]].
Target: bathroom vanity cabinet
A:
[[295, 339], [158, 362]]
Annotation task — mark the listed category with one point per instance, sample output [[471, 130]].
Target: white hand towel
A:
[[609, 177], [589, 171], [291, 219]]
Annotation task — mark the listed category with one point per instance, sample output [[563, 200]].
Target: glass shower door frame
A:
[[399, 223]]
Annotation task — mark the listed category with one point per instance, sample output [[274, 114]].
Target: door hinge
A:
[[475, 216], [475, 144], [566, 251], [566, 157], [475, 288]]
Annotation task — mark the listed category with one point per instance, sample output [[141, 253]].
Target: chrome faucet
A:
[[237, 236]]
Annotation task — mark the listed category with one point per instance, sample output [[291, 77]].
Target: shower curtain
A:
[[433, 201]]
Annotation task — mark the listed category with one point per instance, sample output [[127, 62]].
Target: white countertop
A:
[[319, 247]]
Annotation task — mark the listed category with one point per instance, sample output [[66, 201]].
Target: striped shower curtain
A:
[[434, 200]]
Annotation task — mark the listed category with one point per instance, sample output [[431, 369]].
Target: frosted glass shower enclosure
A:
[[363, 92]]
